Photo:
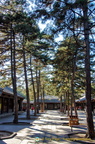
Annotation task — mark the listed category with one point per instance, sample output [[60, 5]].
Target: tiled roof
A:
[[25, 101], [50, 99], [10, 91], [47, 99], [81, 99]]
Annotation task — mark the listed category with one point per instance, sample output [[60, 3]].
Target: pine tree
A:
[[74, 18]]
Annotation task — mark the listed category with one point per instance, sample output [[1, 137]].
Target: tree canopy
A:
[[26, 52]]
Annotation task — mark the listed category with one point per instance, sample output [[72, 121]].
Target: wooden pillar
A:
[[2, 106], [12, 105], [8, 100]]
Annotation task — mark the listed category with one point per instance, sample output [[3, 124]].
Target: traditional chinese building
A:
[[50, 102], [81, 103], [7, 100]]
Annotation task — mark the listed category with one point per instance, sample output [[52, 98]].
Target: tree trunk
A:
[[43, 100], [73, 95], [90, 126], [14, 84], [35, 111], [61, 103], [11, 47], [68, 101], [37, 82], [72, 83], [26, 82], [39, 87], [64, 103]]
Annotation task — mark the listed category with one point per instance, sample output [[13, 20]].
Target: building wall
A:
[[7, 103], [52, 106]]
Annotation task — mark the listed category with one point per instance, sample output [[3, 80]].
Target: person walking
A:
[[32, 109]]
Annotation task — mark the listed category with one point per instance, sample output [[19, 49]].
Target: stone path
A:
[[46, 129]]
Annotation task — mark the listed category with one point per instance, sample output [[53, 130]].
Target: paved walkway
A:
[[47, 128]]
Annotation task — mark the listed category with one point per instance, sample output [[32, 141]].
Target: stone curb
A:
[[12, 134]]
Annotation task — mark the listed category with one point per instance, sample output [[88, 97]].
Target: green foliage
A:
[[5, 82], [65, 19], [63, 64]]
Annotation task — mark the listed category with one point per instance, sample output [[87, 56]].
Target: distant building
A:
[[81, 103], [7, 100], [50, 102], [25, 104]]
